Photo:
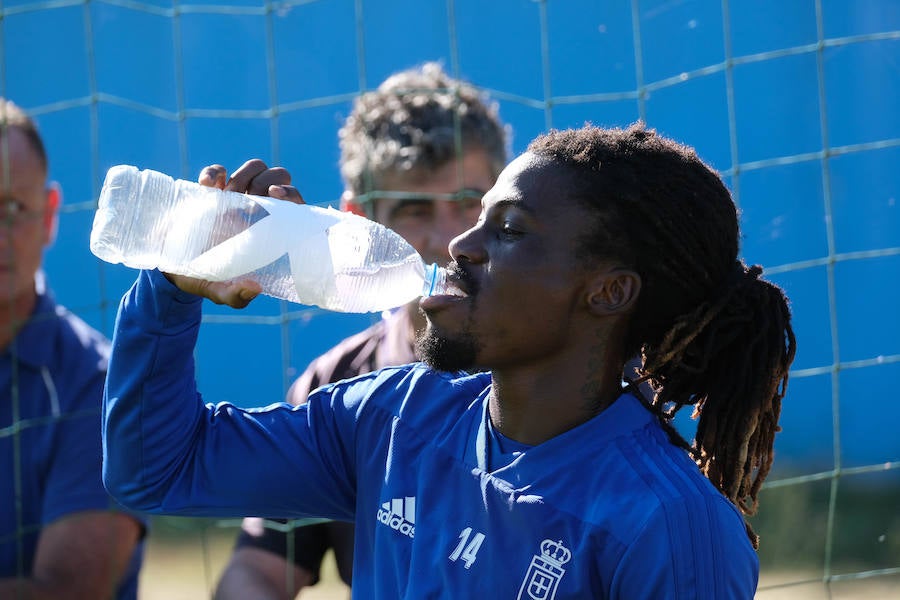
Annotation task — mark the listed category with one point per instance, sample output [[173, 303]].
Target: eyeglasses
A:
[[13, 212], [465, 194]]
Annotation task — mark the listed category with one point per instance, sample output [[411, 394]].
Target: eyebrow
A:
[[422, 199], [406, 199], [516, 203], [428, 196]]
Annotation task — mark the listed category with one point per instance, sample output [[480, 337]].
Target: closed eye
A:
[[509, 229], [509, 218]]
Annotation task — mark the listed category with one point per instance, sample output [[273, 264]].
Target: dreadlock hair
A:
[[711, 333], [416, 121]]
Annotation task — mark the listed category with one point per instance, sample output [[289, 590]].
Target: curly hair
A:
[[417, 120], [710, 331], [13, 116]]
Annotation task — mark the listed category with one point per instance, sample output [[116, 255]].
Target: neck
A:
[[532, 406]]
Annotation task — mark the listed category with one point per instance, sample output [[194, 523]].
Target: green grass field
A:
[[184, 558]]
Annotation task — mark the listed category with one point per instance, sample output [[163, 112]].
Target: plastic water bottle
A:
[[301, 253]]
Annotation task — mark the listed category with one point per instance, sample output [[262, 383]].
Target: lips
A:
[[454, 289], [460, 286], [460, 283], [433, 304]]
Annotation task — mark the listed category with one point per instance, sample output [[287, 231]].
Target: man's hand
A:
[[255, 178]]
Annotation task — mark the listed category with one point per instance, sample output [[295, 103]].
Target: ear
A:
[[349, 204], [613, 291], [50, 222]]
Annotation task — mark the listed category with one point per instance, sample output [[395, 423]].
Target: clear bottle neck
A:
[[435, 280]]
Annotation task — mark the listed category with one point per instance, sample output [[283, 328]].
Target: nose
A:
[[469, 246]]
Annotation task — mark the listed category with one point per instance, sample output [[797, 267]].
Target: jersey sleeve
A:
[[678, 555], [165, 451], [305, 545]]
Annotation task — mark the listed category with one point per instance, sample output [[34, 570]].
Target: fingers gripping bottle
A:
[[301, 253]]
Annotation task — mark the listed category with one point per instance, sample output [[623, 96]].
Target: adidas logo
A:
[[399, 514]]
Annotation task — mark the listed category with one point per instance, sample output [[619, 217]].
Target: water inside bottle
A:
[[315, 256]]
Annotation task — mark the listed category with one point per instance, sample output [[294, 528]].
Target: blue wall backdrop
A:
[[796, 102]]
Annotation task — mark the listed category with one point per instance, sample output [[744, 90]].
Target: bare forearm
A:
[[29, 589], [262, 575], [238, 584], [82, 556]]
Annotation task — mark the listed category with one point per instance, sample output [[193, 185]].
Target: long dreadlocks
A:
[[711, 332]]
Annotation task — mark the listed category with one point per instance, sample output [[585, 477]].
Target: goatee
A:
[[446, 354]]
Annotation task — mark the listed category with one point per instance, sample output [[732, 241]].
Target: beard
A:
[[445, 353], [456, 352]]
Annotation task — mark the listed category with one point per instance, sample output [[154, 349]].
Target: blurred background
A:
[[795, 102]]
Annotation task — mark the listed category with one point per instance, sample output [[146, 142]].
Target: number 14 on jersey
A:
[[467, 549]]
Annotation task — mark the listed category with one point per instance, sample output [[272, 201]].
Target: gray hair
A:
[[13, 116], [417, 120]]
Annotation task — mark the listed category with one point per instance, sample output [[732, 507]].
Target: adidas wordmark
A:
[[399, 514]]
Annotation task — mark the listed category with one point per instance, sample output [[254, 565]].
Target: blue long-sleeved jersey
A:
[[609, 509]]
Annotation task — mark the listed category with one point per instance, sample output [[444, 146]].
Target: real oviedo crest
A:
[[545, 571]]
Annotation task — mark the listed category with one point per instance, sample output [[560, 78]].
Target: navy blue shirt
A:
[[51, 386]]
